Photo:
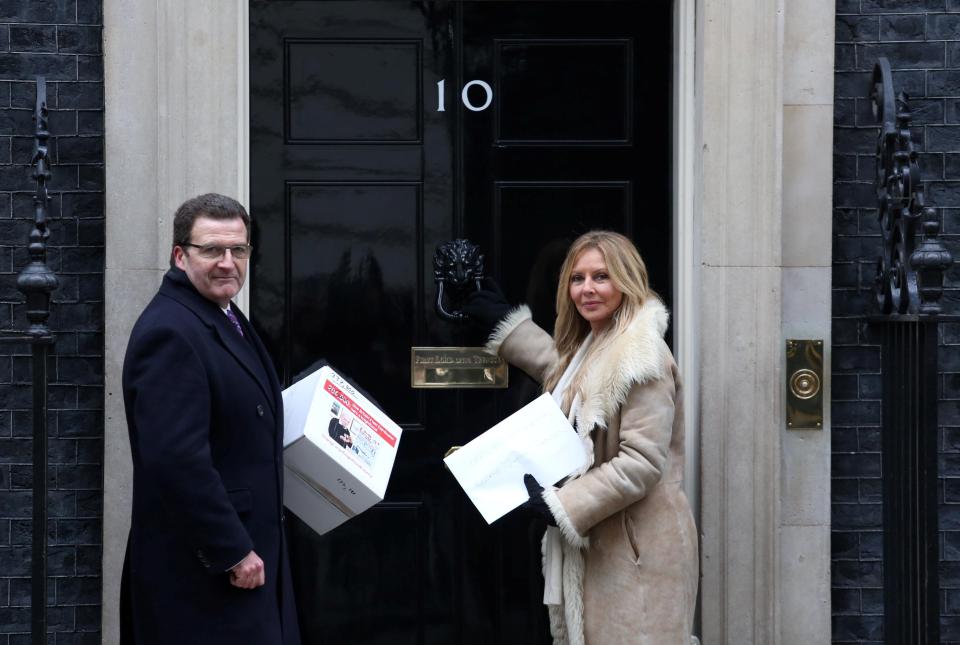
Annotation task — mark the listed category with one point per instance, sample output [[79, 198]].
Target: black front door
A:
[[366, 153]]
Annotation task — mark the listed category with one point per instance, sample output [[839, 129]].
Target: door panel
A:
[[356, 177]]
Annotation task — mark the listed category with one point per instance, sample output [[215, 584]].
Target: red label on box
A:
[[360, 413]]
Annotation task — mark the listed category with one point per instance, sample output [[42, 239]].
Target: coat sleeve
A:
[[646, 426], [171, 412], [522, 343]]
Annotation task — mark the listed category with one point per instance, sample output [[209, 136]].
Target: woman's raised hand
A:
[[488, 305]]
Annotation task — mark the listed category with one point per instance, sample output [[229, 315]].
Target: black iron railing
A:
[[909, 285], [36, 281]]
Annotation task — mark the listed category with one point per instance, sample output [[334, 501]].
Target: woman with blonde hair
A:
[[620, 561]]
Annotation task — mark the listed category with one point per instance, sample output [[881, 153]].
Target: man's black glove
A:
[[488, 306], [535, 504]]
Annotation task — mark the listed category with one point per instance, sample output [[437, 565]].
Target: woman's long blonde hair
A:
[[628, 273]]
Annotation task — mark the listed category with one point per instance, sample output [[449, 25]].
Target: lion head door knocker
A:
[[457, 270]]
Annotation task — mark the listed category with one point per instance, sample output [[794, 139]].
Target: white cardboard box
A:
[[338, 450]]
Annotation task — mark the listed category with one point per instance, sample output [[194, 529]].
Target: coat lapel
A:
[[178, 286]]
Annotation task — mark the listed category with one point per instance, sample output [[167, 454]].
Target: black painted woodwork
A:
[[355, 179]]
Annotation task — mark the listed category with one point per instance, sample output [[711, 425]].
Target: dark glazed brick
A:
[[870, 491], [89, 12], [78, 591], [926, 111], [90, 177], [844, 112], [857, 574], [951, 167], [33, 38], [80, 149], [88, 559], [857, 628], [914, 84], [83, 205], [856, 517], [943, 192], [843, 440], [871, 546], [901, 27], [90, 122], [903, 55], [847, 413], [845, 167], [944, 83], [845, 491], [78, 532], [80, 423], [857, 28], [845, 58], [47, 11], [845, 546], [89, 68], [931, 166], [951, 546], [943, 138], [80, 477], [943, 26], [851, 84], [83, 96], [79, 40], [855, 465], [855, 195], [80, 370], [90, 503], [902, 6], [15, 561], [15, 619], [27, 66]]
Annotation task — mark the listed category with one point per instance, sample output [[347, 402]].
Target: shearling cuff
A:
[[563, 520], [503, 329]]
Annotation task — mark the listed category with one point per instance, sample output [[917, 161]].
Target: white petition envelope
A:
[[536, 439]]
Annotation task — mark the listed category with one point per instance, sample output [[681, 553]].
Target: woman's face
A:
[[593, 293]]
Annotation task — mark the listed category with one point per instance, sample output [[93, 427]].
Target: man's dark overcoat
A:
[[205, 416]]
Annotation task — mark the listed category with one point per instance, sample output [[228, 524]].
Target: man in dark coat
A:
[[207, 557]]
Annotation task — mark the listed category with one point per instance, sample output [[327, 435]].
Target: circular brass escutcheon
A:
[[804, 384]]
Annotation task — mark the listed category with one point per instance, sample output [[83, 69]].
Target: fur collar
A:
[[636, 356]]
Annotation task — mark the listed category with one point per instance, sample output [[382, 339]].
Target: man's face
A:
[[216, 280]]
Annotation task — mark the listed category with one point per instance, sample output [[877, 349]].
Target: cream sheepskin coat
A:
[[630, 567]]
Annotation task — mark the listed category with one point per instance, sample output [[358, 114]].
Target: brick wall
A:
[[922, 40], [62, 40]]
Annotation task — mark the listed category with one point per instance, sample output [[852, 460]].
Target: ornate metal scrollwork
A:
[[457, 267], [36, 281], [909, 279]]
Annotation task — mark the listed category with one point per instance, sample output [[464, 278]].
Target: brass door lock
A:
[[805, 384]]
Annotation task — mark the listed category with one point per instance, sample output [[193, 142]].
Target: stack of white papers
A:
[[536, 439]]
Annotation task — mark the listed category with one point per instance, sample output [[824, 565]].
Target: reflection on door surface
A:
[[357, 175]]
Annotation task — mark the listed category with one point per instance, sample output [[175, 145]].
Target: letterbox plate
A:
[[456, 368]]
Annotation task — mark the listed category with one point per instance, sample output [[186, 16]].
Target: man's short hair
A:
[[212, 205]]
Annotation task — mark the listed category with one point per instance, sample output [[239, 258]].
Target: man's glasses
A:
[[215, 252]]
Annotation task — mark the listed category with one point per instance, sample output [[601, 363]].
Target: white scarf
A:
[[553, 541]]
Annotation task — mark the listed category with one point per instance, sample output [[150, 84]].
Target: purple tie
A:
[[236, 323]]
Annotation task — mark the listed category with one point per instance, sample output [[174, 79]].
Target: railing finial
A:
[[36, 281]]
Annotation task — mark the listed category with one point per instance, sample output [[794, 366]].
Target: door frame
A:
[[154, 86]]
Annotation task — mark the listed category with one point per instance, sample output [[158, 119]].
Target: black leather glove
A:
[[488, 306], [535, 504]]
